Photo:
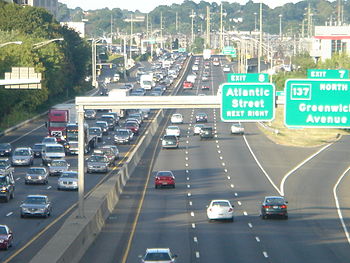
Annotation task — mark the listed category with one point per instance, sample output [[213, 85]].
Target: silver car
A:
[[57, 167], [36, 205], [68, 181], [97, 164], [23, 156], [36, 175]]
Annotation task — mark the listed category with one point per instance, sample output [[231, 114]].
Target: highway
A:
[[31, 233], [242, 169]]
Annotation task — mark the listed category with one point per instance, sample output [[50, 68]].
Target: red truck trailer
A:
[[57, 122]]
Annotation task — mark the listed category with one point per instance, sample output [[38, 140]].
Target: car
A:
[[132, 126], [158, 89], [129, 86], [51, 152], [177, 118], [201, 117], [57, 167], [164, 179], [97, 164], [197, 129], [274, 206], [68, 181], [220, 210], [161, 255], [23, 156], [97, 131], [155, 93], [237, 128], [226, 68], [123, 136], [36, 175], [5, 166], [170, 141], [138, 116], [206, 132], [205, 78], [110, 120], [103, 125], [173, 130], [187, 85], [37, 148], [6, 237], [49, 140], [205, 87], [7, 186], [5, 149], [36, 205], [90, 114], [110, 151], [216, 62]]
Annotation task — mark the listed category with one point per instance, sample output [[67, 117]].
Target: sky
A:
[[146, 6]]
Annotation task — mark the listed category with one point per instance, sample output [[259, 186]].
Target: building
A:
[[49, 5], [328, 40], [79, 27]]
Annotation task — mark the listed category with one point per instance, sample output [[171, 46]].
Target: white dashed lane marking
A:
[[257, 239], [265, 254], [192, 214], [188, 194], [250, 225], [236, 194], [232, 186], [9, 214], [197, 254], [239, 203], [195, 239], [193, 225], [190, 203], [245, 213]]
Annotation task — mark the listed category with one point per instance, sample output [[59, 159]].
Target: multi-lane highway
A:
[[242, 169]]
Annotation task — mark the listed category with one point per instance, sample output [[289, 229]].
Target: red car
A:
[[187, 85], [164, 179], [6, 237], [134, 127]]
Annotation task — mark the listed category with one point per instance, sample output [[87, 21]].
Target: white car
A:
[[237, 128], [173, 130], [220, 209], [159, 255], [177, 118], [197, 129], [226, 68]]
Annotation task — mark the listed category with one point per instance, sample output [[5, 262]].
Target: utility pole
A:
[[161, 30], [177, 23], [192, 24], [208, 28], [309, 21], [131, 32], [261, 39], [221, 29], [147, 33]]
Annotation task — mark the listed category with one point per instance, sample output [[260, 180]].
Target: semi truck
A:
[[71, 145], [206, 54], [57, 122], [118, 93]]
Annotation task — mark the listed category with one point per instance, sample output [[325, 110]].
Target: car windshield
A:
[[206, 129], [278, 201], [3, 231], [169, 138], [58, 124], [58, 163], [90, 112], [157, 256], [4, 146], [101, 124], [3, 164], [35, 200], [123, 133], [97, 158], [54, 149], [36, 171], [49, 140], [221, 203], [3, 180], [173, 128], [21, 153], [164, 173], [37, 147], [95, 131], [69, 175]]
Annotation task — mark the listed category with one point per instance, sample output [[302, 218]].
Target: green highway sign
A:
[[327, 74], [317, 103], [182, 49], [247, 102], [229, 50], [248, 78]]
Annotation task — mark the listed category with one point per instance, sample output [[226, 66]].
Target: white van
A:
[[52, 151]]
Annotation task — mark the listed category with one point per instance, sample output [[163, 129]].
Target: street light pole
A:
[[221, 30], [192, 23], [255, 18], [9, 43], [280, 16], [44, 43], [261, 39], [131, 25]]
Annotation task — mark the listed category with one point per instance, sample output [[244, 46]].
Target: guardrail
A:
[[76, 234]]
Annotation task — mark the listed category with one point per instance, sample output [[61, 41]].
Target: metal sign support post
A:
[[81, 170]]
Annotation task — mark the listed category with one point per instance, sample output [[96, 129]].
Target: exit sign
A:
[[248, 77], [327, 74]]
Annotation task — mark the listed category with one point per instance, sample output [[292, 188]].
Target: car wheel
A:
[[286, 217], [7, 198], [231, 219], [12, 195], [264, 216], [58, 189], [156, 186], [7, 246], [22, 216], [88, 171], [174, 186]]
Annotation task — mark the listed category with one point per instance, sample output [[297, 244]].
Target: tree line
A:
[[63, 64]]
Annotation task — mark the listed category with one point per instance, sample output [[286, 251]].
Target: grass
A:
[[308, 137]]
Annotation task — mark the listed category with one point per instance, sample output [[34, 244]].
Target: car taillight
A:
[[230, 210], [266, 206], [283, 206], [157, 178]]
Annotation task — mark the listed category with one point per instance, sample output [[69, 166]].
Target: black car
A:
[[7, 187], [274, 206], [5, 149], [201, 117], [37, 148], [206, 133]]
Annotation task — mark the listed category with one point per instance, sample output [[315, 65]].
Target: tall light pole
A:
[[192, 25], [208, 28], [255, 19], [9, 43], [221, 29], [260, 41], [280, 16], [44, 43], [93, 60], [161, 30]]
